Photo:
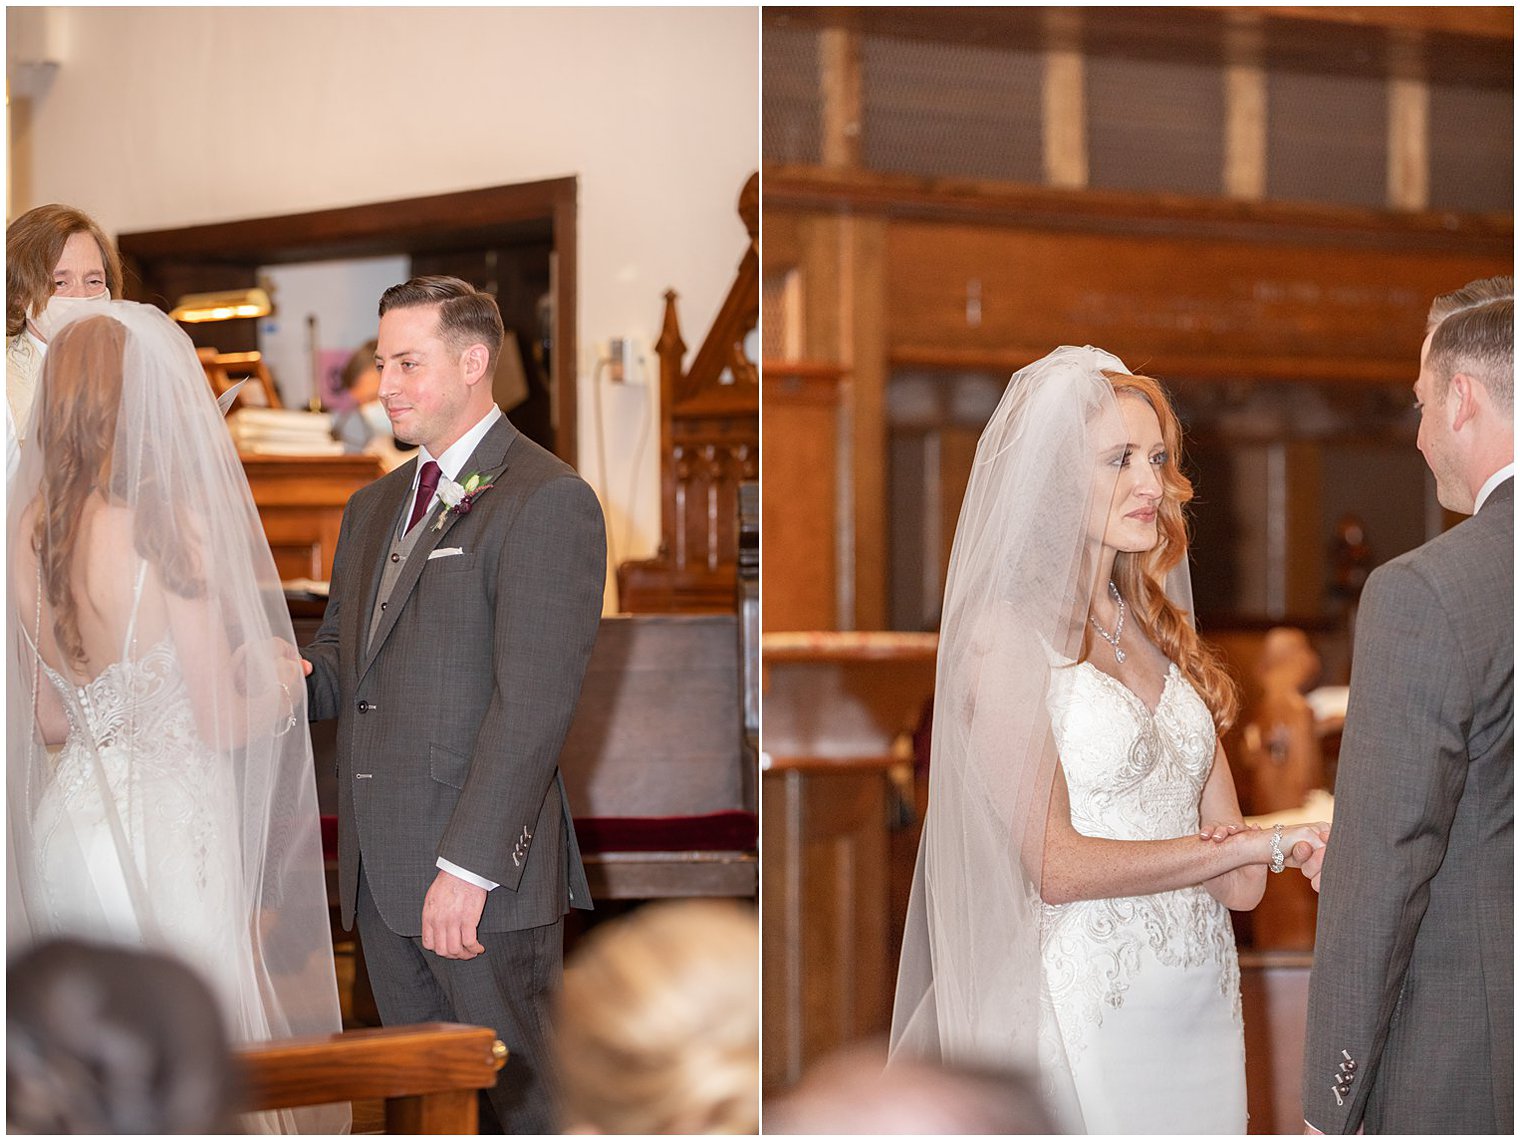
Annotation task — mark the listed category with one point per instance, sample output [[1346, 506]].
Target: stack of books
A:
[[283, 432]]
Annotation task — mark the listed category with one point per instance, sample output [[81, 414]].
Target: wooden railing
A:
[[426, 1074]]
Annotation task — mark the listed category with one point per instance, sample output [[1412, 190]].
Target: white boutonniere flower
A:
[[458, 498]]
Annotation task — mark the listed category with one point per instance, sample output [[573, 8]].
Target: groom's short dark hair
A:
[[466, 315], [1473, 331]]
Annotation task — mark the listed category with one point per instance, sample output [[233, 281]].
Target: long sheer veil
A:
[[161, 788], [970, 986]]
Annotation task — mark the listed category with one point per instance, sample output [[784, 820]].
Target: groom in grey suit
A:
[[466, 593], [1411, 1002]]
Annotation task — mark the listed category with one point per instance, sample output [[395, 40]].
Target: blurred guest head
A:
[[55, 250], [1466, 389], [659, 1023], [360, 378], [1286, 653], [113, 1040], [851, 1092]]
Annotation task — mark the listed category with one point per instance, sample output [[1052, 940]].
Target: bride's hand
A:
[[1222, 830], [1301, 841]]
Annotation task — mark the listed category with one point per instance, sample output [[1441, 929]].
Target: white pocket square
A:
[[445, 552]]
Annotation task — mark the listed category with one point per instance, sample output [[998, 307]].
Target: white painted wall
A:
[[165, 117]]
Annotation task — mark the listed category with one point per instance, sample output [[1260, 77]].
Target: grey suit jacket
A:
[[451, 720], [1411, 1003]]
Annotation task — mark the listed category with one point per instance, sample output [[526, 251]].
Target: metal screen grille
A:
[[1155, 125], [1471, 149], [790, 125], [951, 110], [1327, 138]]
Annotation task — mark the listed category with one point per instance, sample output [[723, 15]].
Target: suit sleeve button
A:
[[363, 707], [395, 557]]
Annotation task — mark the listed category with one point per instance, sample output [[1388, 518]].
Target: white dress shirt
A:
[[1493, 481]]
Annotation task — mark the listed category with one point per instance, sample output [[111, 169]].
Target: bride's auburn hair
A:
[[1141, 575], [78, 407]]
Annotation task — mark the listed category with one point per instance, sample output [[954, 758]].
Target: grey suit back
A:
[[1414, 961]]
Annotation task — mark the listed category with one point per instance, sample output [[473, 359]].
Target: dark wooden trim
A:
[[464, 219], [377, 227], [803, 188], [1338, 370]]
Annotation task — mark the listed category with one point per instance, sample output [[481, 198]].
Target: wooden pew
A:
[[426, 1074], [656, 765]]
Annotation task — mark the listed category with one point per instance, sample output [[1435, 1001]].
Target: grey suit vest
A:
[[401, 550]]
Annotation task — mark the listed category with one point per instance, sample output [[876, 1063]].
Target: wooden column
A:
[[1065, 101], [1245, 98], [1408, 125], [826, 975], [863, 303], [839, 72]]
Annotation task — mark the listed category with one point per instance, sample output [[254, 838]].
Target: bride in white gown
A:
[[1083, 842], [160, 779]]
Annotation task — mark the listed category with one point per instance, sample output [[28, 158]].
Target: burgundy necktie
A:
[[426, 485]]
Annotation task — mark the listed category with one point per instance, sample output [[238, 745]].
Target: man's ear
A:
[[1462, 396], [475, 361]]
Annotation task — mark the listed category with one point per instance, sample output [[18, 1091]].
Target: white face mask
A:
[[62, 310], [374, 415]]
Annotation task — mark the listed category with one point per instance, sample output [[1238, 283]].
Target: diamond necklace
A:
[[1112, 639]]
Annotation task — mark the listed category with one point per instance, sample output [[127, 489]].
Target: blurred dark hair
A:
[[358, 364], [113, 1039]]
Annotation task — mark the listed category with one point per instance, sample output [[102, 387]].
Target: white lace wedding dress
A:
[[139, 828], [1145, 990]]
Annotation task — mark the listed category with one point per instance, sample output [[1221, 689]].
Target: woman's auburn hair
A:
[[79, 402], [1141, 575]]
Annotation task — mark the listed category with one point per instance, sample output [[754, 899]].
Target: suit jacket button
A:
[[363, 707], [395, 558], [383, 605]]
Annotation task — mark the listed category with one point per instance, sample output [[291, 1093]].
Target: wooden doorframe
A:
[[466, 219]]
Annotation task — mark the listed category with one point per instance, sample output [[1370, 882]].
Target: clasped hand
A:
[[1303, 845]]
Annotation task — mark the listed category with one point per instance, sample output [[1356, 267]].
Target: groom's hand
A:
[[450, 914], [1311, 867]]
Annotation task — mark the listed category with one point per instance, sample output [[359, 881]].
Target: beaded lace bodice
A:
[[138, 704], [1133, 774]]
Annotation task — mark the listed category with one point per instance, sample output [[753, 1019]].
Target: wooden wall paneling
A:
[[1177, 308], [800, 417], [1122, 212], [826, 975], [300, 502]]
